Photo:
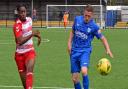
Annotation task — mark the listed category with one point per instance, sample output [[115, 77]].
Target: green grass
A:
[[52, 68]]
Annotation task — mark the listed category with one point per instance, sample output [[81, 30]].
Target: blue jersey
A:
[[84, 33]]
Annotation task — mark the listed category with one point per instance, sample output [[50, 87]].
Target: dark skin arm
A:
[[38, 36], [21, 40]]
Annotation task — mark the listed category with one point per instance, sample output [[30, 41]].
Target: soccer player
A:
[[25, 53], [83, 31], [65, 19]]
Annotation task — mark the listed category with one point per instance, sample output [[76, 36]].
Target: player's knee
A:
[[75, 79], [30, 69], [30, 66], [84, 71]]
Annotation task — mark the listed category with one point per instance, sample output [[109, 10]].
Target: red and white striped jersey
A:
[[23, 29]]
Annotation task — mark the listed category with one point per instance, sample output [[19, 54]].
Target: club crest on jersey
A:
[[17, 28], [89, 30]]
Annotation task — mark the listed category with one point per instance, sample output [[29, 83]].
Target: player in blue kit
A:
[[83, 31]]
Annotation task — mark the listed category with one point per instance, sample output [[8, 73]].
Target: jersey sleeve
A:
[[97, 32], [17, 29], [30, 20]]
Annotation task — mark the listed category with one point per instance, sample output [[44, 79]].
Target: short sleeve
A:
[[97, 32], [17, 29], [30, 20]]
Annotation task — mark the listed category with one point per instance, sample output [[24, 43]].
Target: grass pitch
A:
[[52, 68]]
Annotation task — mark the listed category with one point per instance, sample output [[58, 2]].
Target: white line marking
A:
[[4, 42], [4, 86], [45, 40]]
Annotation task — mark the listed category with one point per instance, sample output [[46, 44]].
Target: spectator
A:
[[34, 15]]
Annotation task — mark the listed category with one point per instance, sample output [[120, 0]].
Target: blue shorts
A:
[[79, 59]]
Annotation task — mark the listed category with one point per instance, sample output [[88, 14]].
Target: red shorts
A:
[[22, 58]]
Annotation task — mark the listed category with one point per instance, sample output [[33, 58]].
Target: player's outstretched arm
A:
[[107, 48], [70, 42]]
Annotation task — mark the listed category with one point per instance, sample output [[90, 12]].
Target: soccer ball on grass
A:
[[104, 66]]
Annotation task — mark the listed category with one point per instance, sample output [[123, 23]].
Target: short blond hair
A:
[[89, 8]]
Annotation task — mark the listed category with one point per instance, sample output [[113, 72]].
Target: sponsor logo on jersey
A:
[[81, 35]]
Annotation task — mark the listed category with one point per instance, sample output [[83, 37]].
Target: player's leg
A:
[[84, 71], [19, 58], [76, 81], [29, 74], [75, 69], [85, 58], [30, 61], [23, 78], [65, 25]]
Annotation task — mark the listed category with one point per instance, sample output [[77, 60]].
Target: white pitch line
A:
[[45, 40], [3, 42], [4, 86]]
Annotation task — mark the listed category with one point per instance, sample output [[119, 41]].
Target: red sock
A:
[[29, 80]]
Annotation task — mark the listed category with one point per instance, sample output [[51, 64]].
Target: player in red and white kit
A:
[[25, 53]]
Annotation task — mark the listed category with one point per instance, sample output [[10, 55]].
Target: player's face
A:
[[22, 13], [87, 16]]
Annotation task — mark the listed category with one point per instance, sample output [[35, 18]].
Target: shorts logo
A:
[[85, 63]]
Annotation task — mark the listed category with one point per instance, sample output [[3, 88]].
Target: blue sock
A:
[[85, 82], [77, 85]]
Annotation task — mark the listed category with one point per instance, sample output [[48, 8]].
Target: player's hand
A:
[[110, 53], [39, 40], [69, 49]]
